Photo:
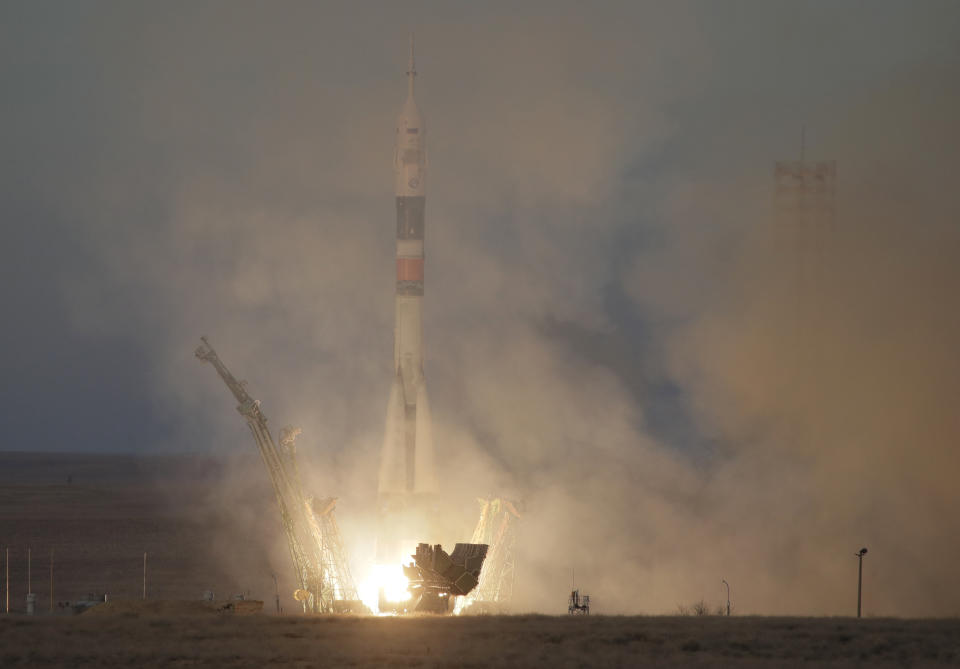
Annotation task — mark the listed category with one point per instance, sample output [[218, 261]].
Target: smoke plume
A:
[[610, 328]]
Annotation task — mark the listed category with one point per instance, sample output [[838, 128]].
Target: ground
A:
[[131, 638], [101, 513]]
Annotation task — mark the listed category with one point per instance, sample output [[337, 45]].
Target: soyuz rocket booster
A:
[[406, 461]]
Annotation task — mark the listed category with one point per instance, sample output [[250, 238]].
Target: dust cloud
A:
[[608, 324]]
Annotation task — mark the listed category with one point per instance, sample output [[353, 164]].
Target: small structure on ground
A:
[[579, 604], [434, 575]]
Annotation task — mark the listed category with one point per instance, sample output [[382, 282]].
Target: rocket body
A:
[[407, 458]]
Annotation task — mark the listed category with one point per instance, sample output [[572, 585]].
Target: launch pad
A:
[[436, 577], [407, 480]]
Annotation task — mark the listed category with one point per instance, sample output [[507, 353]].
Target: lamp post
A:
[[860, 554], [724, 581]]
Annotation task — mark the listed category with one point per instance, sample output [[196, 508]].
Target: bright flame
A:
[[390, 577]]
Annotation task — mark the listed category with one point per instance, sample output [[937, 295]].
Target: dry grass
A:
[[117, 508], [172, 608], [133, 638], [112, 512]]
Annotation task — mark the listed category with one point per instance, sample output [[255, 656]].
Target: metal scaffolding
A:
[[325, 584], [497, 528], [805, 195], [805, 204]]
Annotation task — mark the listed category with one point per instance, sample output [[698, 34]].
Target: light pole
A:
[[724, 581], [860, 554]]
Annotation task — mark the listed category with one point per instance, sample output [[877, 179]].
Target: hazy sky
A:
[[603, 323]]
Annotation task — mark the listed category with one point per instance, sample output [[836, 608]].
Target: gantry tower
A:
[[324, 581], [497, 527]]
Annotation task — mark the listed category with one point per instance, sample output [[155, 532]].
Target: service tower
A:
[[407, 478]]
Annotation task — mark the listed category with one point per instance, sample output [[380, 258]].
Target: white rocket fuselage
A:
[[407, 463]]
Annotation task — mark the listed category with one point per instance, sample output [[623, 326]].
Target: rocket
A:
[[407, 459]]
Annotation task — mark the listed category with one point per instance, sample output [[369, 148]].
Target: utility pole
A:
[[860, 554], [31, 596], [724, 581], [8, 579], [144, 575], [51, 580]]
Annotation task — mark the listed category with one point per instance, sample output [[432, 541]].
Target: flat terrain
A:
[[206, 528], [131, 639], [202, 529]]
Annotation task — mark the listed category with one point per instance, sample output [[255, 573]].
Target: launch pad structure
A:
[[407, 480], [498, 528], [325, 583], [437, 578]]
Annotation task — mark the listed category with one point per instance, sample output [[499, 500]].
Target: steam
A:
[[607, 301]]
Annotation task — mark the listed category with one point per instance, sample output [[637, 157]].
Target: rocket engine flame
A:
[[388, 578]]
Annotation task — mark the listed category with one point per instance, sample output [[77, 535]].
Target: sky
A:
[[608, 329]]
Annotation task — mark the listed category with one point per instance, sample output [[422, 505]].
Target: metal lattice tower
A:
[[319, 560], [497, 527], [805, 203], [805, 207], [338, 579]]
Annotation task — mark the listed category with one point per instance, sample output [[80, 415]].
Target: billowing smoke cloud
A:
[[608, 310]]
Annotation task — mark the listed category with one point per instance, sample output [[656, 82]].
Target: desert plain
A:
[[130, 636], [101, 513]]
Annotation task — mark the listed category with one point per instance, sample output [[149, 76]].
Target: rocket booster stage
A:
[[406, 462]]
